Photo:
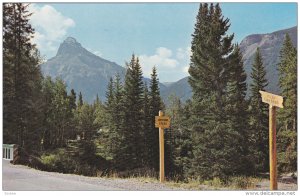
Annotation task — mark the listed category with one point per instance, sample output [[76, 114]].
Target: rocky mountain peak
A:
[[70, 46], [70, 40]]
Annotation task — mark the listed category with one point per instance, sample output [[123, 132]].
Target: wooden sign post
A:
[[161, 122], [273, 101]]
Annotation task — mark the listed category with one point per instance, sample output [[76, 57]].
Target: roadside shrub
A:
[[24, 158], [242, 182], [287, 151], [59, 161], [86, 170]]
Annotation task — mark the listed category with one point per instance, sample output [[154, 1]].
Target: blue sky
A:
[[159, 33]]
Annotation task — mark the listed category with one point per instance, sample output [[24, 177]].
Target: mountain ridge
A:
[[88, 73], [84, 71], [81, 70], [270, 45]]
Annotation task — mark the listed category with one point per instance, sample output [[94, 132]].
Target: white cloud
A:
[[50, 25], [171, 67], [162, 59], [164, 52], [184, 53], [186, 69]]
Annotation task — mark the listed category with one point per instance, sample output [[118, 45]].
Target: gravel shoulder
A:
[[23, 178]]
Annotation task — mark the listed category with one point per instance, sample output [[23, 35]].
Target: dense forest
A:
[[218, 133]]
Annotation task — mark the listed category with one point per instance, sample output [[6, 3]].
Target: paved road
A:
[[22, 178]]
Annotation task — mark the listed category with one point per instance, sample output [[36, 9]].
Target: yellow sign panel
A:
[[274, 100], [162, 121]]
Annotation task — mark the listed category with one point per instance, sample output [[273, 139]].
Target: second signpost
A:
[[162, 122]]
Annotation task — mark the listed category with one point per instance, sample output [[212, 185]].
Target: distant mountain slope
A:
[[81, 69], [181, 89], [270, 45]]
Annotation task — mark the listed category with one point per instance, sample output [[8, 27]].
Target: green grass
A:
[[244, 183], [232, 183]]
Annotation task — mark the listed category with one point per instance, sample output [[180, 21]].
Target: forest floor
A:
[[23, 178]]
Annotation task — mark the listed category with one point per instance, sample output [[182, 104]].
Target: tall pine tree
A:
[[237, 111], [213, 139], [132, 136], [72, 98], [109, 116], [80, 100], [118, 117], [287, 117], [147, 127], [155, 106], [178, 142], [259, 115], [22, 108]]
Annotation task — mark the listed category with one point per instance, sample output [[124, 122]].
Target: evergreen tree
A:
[[210, 48], [259, 114], [175, 139], [80, 100], [108, 119], [132, 142], [147, 126], [22, 111], [237, 113], [100, 113], [117, 118], [155, 106], [287, 117], [72, 99], [288, 83], [72, 109], [110, 93], [85, 116], [209, 76], [182, 145], [109, 105], [97, 101]]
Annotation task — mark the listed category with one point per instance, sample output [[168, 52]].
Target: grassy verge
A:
[[233, 183]]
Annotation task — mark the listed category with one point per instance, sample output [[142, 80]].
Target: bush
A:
[[242, 182], [86, 170], [287, 151], [24, 158], [236, 182], [59, 161]]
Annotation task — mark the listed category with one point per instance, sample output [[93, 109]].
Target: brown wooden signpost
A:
[[161, 122], [273, 101]]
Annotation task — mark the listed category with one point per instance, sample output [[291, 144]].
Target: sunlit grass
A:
[[232, 183]]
